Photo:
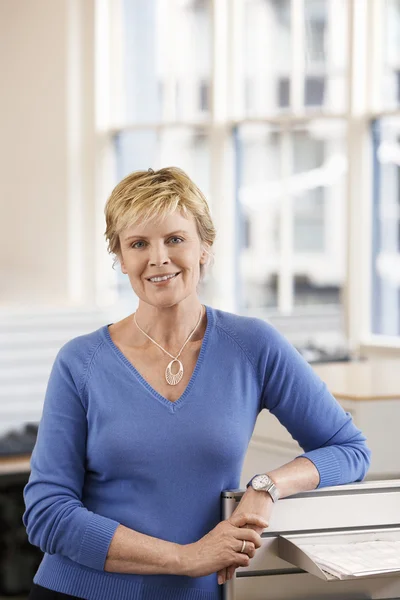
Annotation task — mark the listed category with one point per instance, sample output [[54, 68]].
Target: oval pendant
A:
[[174, 378]]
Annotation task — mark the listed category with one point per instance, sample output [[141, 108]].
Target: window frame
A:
[[362, 108]]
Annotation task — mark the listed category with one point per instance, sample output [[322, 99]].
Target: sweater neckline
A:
[[171, 404]]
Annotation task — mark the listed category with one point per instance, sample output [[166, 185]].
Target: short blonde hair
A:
[[148, 195]]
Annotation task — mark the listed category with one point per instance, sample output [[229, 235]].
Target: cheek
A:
[[191, 258], [134, 267], [187, 259]]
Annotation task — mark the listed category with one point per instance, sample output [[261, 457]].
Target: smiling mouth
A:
[[159, 279]]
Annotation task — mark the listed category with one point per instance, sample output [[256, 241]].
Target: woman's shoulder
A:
[[251, 332], [241, 324], [81, 347], [264, 345]]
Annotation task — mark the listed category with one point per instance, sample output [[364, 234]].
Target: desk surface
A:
[[14, 464], [364, 380]]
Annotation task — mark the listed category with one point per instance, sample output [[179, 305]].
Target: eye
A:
[[135, 244], [176, 240]]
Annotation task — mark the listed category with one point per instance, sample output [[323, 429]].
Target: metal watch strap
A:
[[272, 490]]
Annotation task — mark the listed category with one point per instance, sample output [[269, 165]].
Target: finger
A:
[[231, 572], [248, 548], [249, 535], [241, 519], [222, 576], [258, 530], [242, 560]]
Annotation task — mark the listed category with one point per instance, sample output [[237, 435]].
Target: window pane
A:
[[309, 217], [258, 194], [386, 228], [319, 234], [167, 66], [266, 80], [325, 23], [267, 62], [141, 71], [183, 147], [315, 184], [316, 17], [391, 54]]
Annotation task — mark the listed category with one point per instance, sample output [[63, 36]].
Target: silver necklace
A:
[[172, 378]]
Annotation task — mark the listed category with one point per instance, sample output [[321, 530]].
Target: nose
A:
[[158, 255]]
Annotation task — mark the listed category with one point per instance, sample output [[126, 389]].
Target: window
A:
[[159, 89], [314, 91], [386, 228], [266, 38], [259, 197], [391, 54], [384, 315], [292, 177], [268, 105], [165, 54]]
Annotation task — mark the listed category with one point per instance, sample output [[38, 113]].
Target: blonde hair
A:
[[147, 195]]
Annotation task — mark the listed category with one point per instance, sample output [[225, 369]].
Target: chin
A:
[[168, 300]]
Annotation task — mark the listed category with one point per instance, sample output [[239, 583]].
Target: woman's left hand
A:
[[254, 502]]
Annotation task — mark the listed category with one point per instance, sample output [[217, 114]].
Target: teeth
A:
[[155, 279]]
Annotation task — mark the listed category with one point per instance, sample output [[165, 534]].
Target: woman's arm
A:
[[55, 518], [335, 449], [299, 475], [294, 393], [134, 552]]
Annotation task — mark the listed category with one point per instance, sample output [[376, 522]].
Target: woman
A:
[[147, 420]]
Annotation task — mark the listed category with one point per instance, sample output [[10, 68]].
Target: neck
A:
[[171, 326]]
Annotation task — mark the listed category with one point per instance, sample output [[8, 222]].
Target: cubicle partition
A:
[[19, 560], [359, 523]]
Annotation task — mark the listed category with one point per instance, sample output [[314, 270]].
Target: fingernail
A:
[[219, 579]]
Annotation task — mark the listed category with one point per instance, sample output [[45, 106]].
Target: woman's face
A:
[[171, 248]]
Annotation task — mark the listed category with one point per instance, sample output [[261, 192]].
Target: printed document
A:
[[357, 559]]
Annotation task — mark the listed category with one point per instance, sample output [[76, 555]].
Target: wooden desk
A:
[[369, 391], [14, 470], [364, 380], [14, 464]]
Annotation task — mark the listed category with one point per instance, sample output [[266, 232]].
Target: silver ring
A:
[[243, 546]]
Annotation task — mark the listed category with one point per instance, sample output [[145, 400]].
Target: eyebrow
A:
[[143, 237]]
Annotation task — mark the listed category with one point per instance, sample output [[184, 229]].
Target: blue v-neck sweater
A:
[[111, 450]]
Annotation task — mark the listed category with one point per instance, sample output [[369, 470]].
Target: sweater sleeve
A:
[[294, 393], [55, 517]]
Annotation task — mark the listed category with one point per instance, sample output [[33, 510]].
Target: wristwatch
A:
[[264, 483]]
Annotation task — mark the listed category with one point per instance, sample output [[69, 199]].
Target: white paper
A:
[[357, 559]]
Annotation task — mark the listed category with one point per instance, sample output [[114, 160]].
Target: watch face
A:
[[260, 482]]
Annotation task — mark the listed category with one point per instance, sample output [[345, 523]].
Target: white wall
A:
[[46, 152]]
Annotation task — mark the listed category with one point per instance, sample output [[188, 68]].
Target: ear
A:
[[203, 256], [121, 262]]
